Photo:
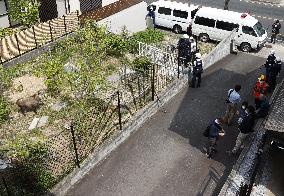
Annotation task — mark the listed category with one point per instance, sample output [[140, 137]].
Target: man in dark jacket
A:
[[184, 49], [263, 110], [215, 131], [275, 30], [245, 128]]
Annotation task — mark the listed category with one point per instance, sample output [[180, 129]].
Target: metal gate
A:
[[48, 10], [87, 5]]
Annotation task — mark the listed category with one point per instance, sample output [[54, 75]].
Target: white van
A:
[[173, 15], [216, 24]]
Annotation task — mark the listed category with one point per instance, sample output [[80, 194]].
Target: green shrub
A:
[[4, 109], [115, 45], [5, 32], [142, 64], [30, 154], [149, 36]]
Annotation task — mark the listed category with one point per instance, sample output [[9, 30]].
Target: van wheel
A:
[[245, 47], [177, 29], [204, 37]]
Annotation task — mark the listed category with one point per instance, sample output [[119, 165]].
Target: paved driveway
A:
[[165, 156]]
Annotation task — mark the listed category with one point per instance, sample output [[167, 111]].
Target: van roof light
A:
[[244, 15]]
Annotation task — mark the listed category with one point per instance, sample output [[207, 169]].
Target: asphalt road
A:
[[266, 13], [166, 155]]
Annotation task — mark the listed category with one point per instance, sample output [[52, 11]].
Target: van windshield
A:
[[259, 29]]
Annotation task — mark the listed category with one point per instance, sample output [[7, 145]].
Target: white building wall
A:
[[74, 5], [133, 22], [107, 2], [61, 9], [4, 21]]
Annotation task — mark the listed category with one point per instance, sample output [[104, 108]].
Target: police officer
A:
[[273, 72], [197, 70], [192, 48], [270, 61], [275, 30], [184, 50], [151, 14]]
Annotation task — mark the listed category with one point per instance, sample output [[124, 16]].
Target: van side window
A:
[[163, 10], [248, 30], [193, 13], [205, 21], [180, 14], [226, 25]]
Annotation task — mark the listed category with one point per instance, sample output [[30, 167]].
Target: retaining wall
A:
[[220, 51]]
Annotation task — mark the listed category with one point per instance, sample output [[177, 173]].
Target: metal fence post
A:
[[74, 145], [78, 17], [64, 21], [50, 30], [1, 50], [34, 36], [178, 66], [18, 46], [6, 186], [119, 112], [153, 82]]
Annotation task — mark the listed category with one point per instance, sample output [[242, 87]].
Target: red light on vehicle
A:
[[244, 15]]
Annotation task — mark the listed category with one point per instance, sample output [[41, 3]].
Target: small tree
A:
[[24, 11]]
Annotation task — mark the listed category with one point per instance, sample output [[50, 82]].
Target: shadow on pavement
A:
[[202, 105]]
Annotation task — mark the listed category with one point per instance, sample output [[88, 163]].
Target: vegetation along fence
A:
[[104, 117], [26, 40]]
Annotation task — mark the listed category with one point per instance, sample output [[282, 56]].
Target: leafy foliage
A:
[[142, 63], [24, 11], [4, 109], [149, 36], [30, 154], [5, 32]]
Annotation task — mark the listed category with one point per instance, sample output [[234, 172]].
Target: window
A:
[[248, 30], [163, 10], [226, 25], [193, 13], [205, 21], [180, 14], [259, 29]]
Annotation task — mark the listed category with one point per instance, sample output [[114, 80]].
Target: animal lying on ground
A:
[[28, 104]]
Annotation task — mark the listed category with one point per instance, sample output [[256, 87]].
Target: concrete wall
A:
[[107, 2], [61, 9], [220, 51], [74, 5], [133, 18], [4, 20]]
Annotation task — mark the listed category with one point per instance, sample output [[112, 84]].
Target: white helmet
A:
[[185, 36], [278, 58], [198, 55], [272, 51], [191, 38]]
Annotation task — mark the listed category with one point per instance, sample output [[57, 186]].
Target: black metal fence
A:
[[36, 36], [105, 117]]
